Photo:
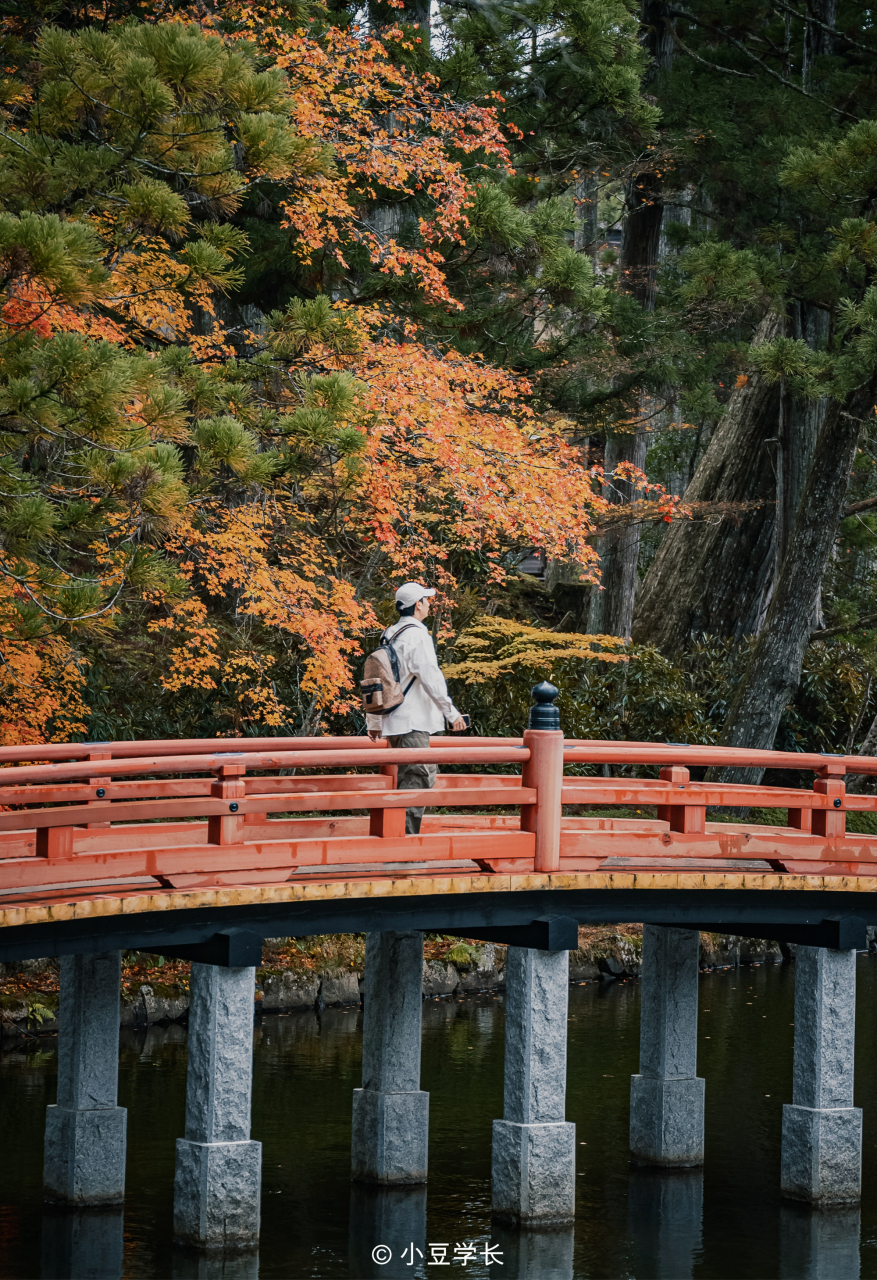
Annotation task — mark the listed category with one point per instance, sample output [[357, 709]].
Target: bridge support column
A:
[[390, 1111], [218, 1182], [533, 1145], [822, 1130], [666, 1098], [84, 1162]]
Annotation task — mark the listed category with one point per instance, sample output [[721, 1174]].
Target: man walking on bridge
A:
[[426, 706]]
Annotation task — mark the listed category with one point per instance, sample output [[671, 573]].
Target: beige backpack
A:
[[381, 687]]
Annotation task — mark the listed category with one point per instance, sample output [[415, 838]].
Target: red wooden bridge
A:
[[161, 844]]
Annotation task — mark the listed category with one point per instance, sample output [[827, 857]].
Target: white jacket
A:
[[426, 705]]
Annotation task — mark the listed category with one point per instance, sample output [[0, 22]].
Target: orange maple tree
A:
[[244, 497]]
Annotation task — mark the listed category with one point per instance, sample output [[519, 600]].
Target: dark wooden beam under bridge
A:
[[838, 933], [549, 933], [759, 914], [231, 949]]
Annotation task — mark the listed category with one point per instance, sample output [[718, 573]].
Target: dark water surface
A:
[[724, 1221]]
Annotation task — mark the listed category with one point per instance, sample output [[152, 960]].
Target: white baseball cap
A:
[[410, 592]]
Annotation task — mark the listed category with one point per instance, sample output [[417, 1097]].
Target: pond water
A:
[[726, 1220]]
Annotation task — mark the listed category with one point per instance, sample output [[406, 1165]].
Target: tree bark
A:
[[817, 41], [713, 577], [800, 423], [416, 12], [641, 238], [586, 222], [862, 782], [775, 667], [612, 603], [611, 609]]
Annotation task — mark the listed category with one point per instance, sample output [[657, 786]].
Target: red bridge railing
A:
[[200, 813]]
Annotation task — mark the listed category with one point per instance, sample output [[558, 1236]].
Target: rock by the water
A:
[[340, 987], [149, 1006], [439, 979], [290, 990], [485, 974]]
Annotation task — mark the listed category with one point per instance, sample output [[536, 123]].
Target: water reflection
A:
[[154, 1040], [387, 1223], [191, 1264], [819, 1244], [535, 1255], [438, 1014], [81, 1245], [665, 1220]]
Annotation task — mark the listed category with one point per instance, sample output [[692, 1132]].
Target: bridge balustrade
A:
[[203, 813]]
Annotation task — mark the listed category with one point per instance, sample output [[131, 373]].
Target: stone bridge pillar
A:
[[533, 1145], [666, 1098], [84, 1162], [218, 1182], [822, 1130], [390, 1111]]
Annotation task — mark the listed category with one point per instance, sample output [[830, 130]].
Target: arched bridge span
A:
[[202, 849], [205, 847]]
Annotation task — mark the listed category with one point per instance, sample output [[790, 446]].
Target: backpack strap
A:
[[409, 626], [390, 644]]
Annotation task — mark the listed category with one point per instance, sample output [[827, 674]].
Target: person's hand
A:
[[375, 735], [459, 725]]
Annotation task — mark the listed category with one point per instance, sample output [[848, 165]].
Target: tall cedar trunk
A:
[[722, 574], [381, 14], [587, 228], [712, 576], [800, 423], [611, 609], [640, 239], [611, 604], [817, 41], [862, 782], [384, 218], [775, 667]]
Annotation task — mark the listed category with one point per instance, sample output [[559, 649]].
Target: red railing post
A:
[[229, 786], [801, 819], [390, 771], [831, 782], [54, 842], [389, 824], [681, 817], [544, 771], [98, 782]]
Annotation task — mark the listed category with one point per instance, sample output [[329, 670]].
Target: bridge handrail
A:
[[584, 751], [166, 746], [197, 746], [200, 816], [576, 751], [347, 758]]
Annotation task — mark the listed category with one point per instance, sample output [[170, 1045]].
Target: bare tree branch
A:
[[855, 507], [845, 628], [738, 44]]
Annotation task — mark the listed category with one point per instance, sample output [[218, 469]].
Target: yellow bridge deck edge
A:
[[135, 902]]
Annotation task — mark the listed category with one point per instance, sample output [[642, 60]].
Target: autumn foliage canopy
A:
[[218, 494]]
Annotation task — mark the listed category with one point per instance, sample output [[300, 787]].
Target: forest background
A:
[[302, 300]]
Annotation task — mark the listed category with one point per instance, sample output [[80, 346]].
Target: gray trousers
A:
[[414, 777]]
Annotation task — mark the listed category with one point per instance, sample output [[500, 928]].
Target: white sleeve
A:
[[423, 663]]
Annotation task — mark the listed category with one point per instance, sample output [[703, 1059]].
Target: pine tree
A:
[[206, 500]]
